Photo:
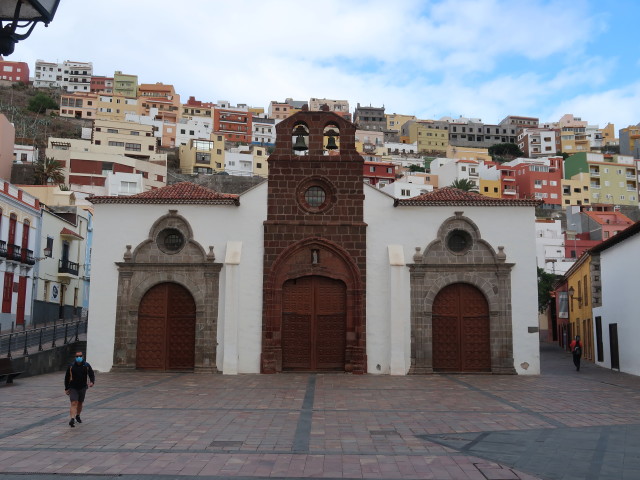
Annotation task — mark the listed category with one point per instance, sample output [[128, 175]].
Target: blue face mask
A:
[[79, 359]]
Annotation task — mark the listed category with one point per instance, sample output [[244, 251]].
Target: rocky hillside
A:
[[35, 128]]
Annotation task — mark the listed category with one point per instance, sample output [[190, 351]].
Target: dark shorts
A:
[[76, 395]]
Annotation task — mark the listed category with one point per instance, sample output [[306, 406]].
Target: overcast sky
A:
[[475, 58]]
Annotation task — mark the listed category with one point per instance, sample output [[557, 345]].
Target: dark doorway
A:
[[461, 336], [313, 324], [166, 329], [613, 345]]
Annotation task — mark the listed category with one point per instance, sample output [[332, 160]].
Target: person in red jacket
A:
[[576, 351]]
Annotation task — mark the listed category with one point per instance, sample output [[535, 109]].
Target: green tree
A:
[[504, 152], [40, 102], [416, 168], [49, 172], [545, 286], [464, 184]]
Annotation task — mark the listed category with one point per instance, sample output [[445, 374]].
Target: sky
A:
[[472, 58]]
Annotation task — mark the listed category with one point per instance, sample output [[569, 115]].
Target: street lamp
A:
[[23, 14]]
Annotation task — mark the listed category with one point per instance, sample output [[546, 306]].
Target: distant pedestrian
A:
[[576, 351], [78, 377]]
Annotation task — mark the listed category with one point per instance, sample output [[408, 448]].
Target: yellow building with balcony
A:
[[580, 303], [202, 156]]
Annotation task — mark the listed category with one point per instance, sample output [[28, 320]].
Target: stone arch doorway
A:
[[314, 317], [461, 330], [166, 329], [319, 273]]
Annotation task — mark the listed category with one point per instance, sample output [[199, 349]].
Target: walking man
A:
[[576, 351], [79, 375]]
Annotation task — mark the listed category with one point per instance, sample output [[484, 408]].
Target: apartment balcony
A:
[[67, 269], [3, 248], [631, 188], [509, 192], [630, 175], [27, 257], [473, 174], [594, 173], [595, 185], [508, 179], [13, 252]]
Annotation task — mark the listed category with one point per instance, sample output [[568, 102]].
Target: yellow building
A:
[[609, 135], [574, 140], [132, 139], [116, 106], [395, 121], [430, 136], [203, 156], [490, 188], [575, 191], [580, 309], [79, 105], [260, 164], [469, 153], [126, 85]]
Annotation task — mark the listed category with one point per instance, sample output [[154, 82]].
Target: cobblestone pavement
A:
[[562, 424]]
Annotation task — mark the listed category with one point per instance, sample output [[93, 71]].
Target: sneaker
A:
[[72, 423], [78, 419]]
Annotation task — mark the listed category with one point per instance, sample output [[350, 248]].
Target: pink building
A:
[[14, 71], [7, 141]]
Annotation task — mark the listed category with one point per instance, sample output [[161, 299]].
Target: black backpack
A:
[[577, 350]]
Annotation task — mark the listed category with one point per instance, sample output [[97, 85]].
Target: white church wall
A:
[[511, 227], [213, 225]]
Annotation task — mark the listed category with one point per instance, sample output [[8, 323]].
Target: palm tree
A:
[[49, 171], [464, 184]]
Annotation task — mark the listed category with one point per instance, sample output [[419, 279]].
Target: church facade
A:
[[313, 271]]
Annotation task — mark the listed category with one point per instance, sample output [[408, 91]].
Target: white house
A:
[[19, 227], [313, 270], [550, 249], [450, 170], [616, 317]]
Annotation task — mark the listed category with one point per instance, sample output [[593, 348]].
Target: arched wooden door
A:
[[461, 337], [313, 324], [166, 329]]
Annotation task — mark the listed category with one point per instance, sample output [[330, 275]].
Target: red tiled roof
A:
[[182, 193], [453, 196], [66, 231]]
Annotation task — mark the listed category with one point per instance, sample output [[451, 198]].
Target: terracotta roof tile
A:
[[66, 231], [453, 196], [183, 193]]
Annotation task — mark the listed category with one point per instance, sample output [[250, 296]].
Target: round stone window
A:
[[459, 241], [170, 240]]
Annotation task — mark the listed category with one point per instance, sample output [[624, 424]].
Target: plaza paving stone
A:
[[562, 425]]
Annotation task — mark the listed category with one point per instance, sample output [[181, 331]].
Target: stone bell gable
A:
[[314, 238]]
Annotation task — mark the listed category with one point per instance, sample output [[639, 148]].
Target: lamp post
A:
[[22, 14]]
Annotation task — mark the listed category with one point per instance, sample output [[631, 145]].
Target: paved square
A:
[[560, 425]]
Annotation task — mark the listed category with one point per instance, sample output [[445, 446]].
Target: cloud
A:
[[478, 58]]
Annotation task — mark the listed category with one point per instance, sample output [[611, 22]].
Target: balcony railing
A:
[[13, 252], [27, 257], [66, 266], [3, 248]]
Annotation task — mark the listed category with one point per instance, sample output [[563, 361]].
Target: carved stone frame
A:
[[479, 266], [147, 266]]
